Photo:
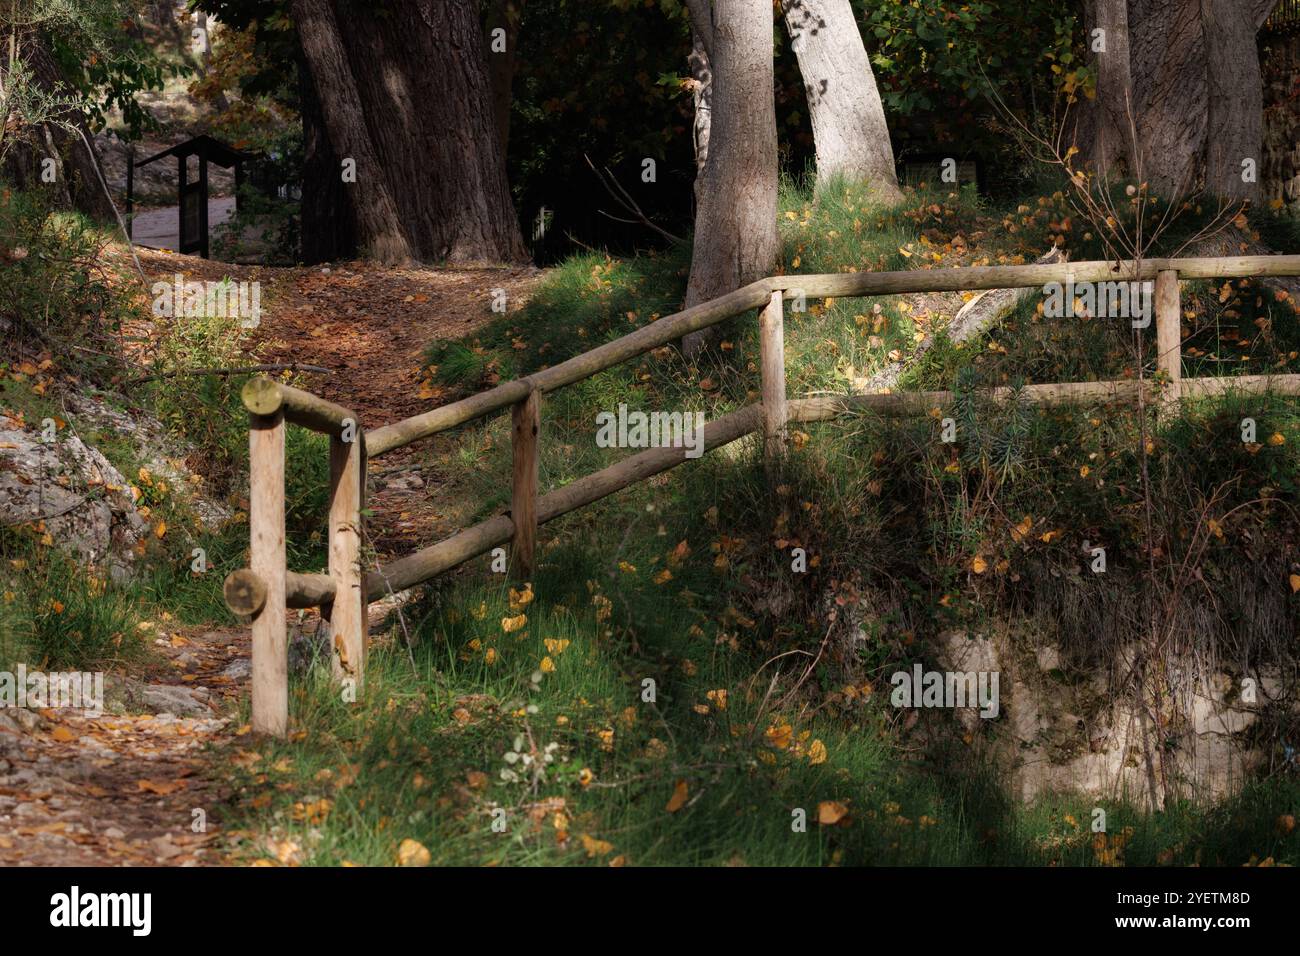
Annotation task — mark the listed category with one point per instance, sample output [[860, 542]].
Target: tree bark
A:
[[848, 118], [736, 240], [405, 92], [504, 15], [379, 230], [702, 91], [329, 223], [1235, 120], [1116, 149]]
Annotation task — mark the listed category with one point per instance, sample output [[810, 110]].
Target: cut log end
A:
[[245, 592], [262, 396]]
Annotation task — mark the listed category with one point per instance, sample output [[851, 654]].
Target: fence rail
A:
[[265, 589]]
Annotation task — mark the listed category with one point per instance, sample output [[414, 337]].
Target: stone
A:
[[170, 699]]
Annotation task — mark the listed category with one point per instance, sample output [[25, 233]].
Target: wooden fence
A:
[[265, 589]]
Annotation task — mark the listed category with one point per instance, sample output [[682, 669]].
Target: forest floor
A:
[[371, 327], [130, 788]]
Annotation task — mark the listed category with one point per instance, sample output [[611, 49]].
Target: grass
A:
[[700, 703]]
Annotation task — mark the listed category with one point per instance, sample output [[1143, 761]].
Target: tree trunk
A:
[[736, 237], [504, 15], [848, 118], [405, 92], [702, 91], [1115, 154], [379, 229], [1235, 121], [329, 223], [1169, 92]]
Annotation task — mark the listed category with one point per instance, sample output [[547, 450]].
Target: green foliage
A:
[[54, 292], [930, 55]]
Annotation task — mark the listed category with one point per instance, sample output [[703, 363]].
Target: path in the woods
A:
[[371, 326], [125, 789], [135, 789]]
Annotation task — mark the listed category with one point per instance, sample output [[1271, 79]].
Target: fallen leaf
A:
[[678, 799]]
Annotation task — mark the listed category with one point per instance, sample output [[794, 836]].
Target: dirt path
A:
[[133, 786], [123, 788], [371, 327]]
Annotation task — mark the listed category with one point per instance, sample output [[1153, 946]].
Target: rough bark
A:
[[329, 224], [504, 15], [1169, 92], [1115, 146], [736, 239], [1235, 120], [848, 118], [379, 230], [405, 92], [702, 91]]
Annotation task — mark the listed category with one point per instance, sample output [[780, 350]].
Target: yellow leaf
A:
[[831, 812], [816, 753], [509, 624], [413, 853], [1019, 531], [160, 529], [1083, 471], [718, 697], [1295, 583], [548, 665], [678, 799], [63, 734], [1277, 438], [555, 646], [979, 565], [779, 736], [595, 847]]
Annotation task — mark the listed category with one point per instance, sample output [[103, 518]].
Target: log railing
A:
[[265, 589]]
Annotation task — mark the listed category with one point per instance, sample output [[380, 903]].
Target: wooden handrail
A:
[[266, 589], [844, 285]]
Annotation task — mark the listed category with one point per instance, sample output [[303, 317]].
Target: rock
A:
[[84, 501], [114, 833], [1049, 658], [170, 699], [239, 669], [218, 638]]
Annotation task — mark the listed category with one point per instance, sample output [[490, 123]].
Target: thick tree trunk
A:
[[405, 92], [502, 15], [736, 237], [1169, 92], [329, 223], [1234, 150], [1115, 147], [848, 118], [421, 73], [379, 230]]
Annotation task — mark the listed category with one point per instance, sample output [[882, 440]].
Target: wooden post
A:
[[267, 561], [771, 335], [348, 609], [203, 204], [527, 420], [1169, 339]]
